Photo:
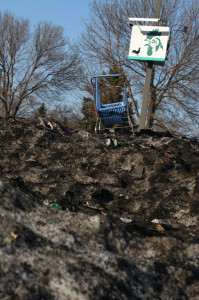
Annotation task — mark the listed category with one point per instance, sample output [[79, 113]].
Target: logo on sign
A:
[[154, 42]]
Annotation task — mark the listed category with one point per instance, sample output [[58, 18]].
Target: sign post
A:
[[148, 78], [145, 96]]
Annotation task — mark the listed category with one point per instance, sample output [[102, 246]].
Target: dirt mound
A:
[[127, 227]]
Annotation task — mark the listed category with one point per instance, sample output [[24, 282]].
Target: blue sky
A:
[[66, 13]]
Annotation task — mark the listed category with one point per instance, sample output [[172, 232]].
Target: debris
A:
[[103, 213], [168, 154], [108, 142], [160, 221], [112, 131], [111, 142], [46, 124], [90, 206], [191, 234], [160, 228], [15, 236], [7, 240], [126, 220], [95, 208], [115, 143], [46, 202], [55, 205]]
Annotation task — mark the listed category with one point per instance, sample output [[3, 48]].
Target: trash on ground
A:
[[160, 228], [160, 221], [191, 234], [15, 236], [111, 142], [168, 154], [108, 142], [115, 143], [55, 205], [94, 207], [46, 124], [103, 213], [7, 240], [46, 202], [126, 220]]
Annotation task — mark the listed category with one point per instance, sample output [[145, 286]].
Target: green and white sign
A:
[[149, 43]]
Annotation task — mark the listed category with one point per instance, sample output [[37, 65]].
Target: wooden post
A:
[[148, 77]]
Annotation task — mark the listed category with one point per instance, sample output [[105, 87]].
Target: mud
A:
[[128, 223]]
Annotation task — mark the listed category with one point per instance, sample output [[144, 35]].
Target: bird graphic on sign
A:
[[136, 51]]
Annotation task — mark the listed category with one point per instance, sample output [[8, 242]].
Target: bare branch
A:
[[33, 64]]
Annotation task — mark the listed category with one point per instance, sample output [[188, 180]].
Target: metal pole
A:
[[148, 77], [1, 70]]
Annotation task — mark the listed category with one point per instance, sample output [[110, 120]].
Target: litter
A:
[[46, 202], [191, 234], [168, 154], [7, 240], [15, 236], [112, 142], [95, 208], [108, 142], [160, 221], [46, 124], [103, 213], [126, 220], [160, 228], [55, 205], [115, 142]]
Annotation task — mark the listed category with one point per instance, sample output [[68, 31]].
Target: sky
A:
[[66, 13]]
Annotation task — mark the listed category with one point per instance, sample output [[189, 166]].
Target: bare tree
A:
[[174, 87], [37, 65]]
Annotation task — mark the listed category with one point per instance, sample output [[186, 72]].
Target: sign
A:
[[149, 43]]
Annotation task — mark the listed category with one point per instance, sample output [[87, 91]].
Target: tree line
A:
[[42, 65]]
